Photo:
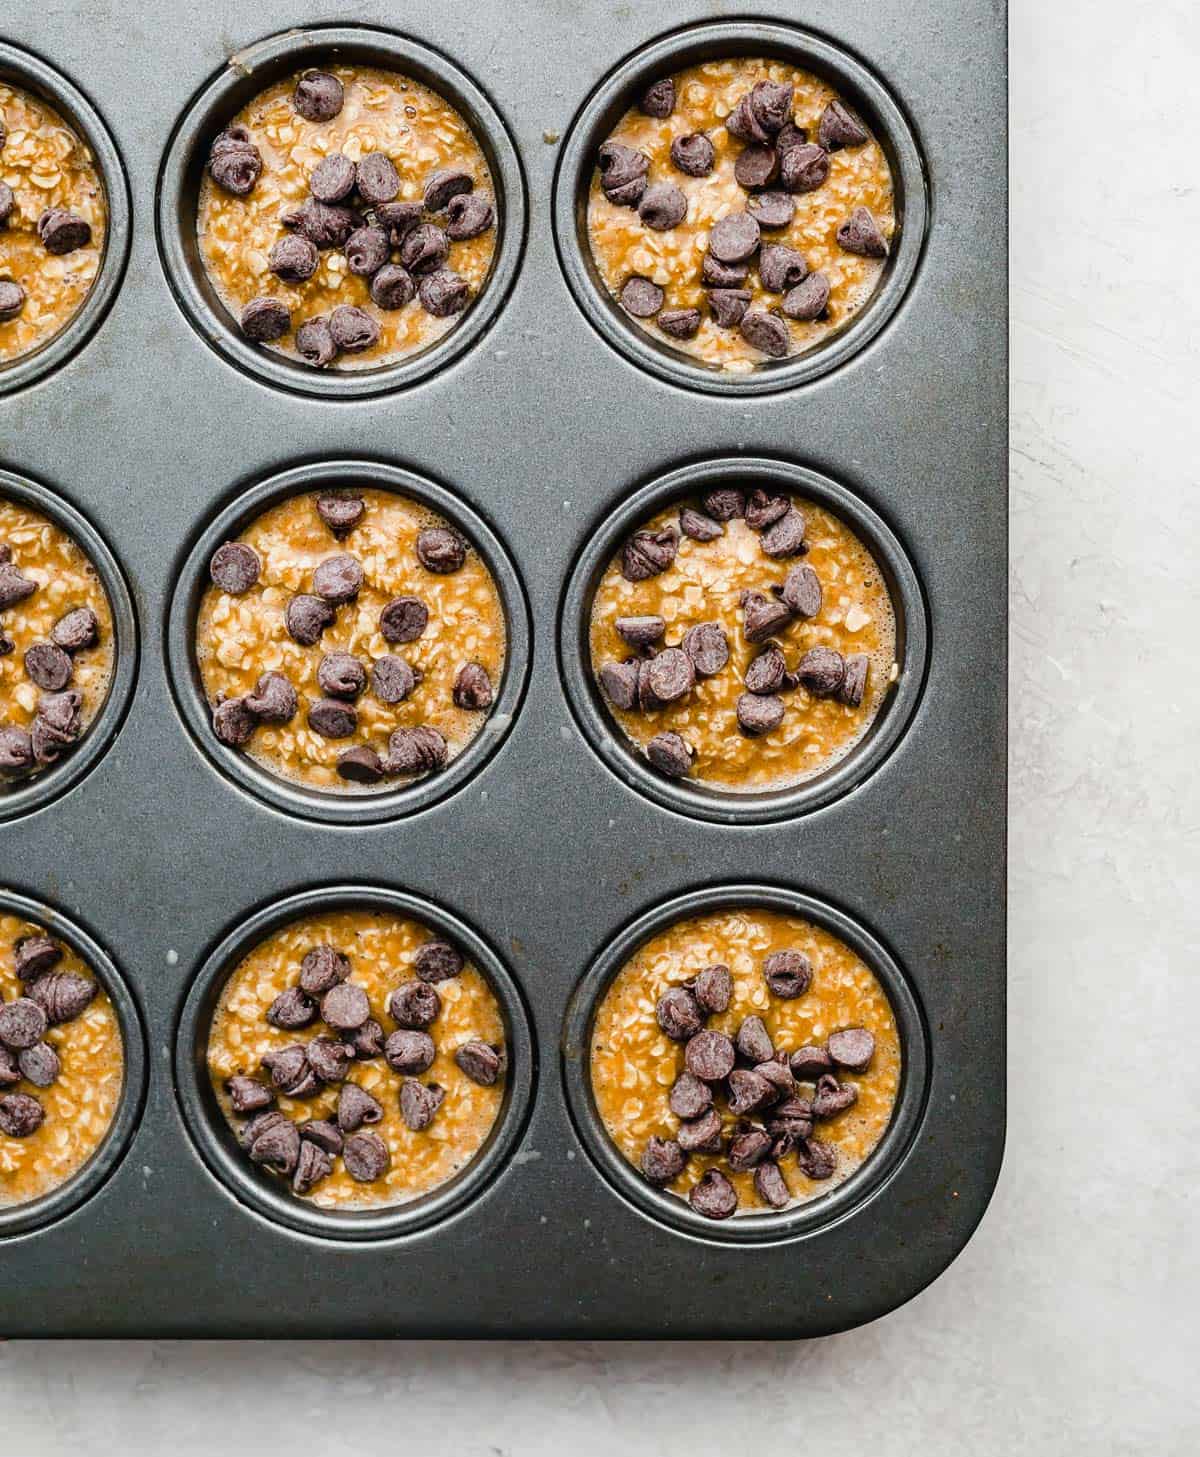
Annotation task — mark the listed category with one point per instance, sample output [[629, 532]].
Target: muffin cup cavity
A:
[[718, 41], [221, 98], [214, 1138], [19, 796], [797, 1221], [32, 74], [692, 797], [333, 807]]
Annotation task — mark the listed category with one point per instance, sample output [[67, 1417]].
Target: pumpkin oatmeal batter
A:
[[56, 642], [342, 648], [61, 1063], [838, 1034], [404, 1100], [399, 229], [651, 227], [53, 220], [749, 696]]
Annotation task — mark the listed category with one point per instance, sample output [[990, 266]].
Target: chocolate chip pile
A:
[[49, 999], [59, 231], [235, 568], [49, 666], [305, 1152], [775, 1097], [352, 208], [653, 677], [777, 163]]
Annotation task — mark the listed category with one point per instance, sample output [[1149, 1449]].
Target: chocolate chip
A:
[[715, 274], [378, 180], [786, 537], [780, 267], [758, 715], [48, 666], [767, 672], [725, 503], [713, 988], [62, 995], [801, 591], [821, 672], [468, 217], [366, 251], [709, 1055], [658, 99], [790, 136], [325, 225], [791, 1119], [333, 178], [56, 725], [663, 207], [314, 342], [697, 526], [771, 103], [258, 1125], [734, 238], [14, 586], [62, 231], [16, 749], [854, 684], [756, 166], [312, 1165], [20, 1115], [707, 648], [679, 323], [840, 128], [701, 1135], [641, 298], [443, 185], [248, 1095], [324, 1134], [366, 1157], [729, 306], [77, 630], [318, 96], [291, 1010], [776, 1071], [748, 1090], [392, 287], [419, 1102], [743, 124], [754, 1041], [330, 1060], [689, 1096], [359, 765], [748, 1148], [472, 688], [340, 513], [714, 1196], [235, 567], [12, 300], [620, 683], [403, 620], [341, 675], [766, 332], [291, 1073], [392, 679], [860, 234], [425, 249], [811, 1062], [293, 258], [640, 632], [771, 1186], [788, 974], [34, 956], [306, 618], [265, 319], [441, 549], [356, 1107], [438, 960], [415, 751], [670, 755], [444, 293], [662, 1160], [365, 1042], [481, 1062], [693, 154], [817, 1160], [345, 1006], [647, 553], [352, 329], [852, 1048], [338, 578], [771, 210], [22, 1023], [669, 676], [7, 200], [415, 1005], [234, 162], [277, 1147], [398, 219], [274, 699], [622, 173], [678, 1014]]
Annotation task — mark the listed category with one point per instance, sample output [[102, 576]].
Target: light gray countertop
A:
[[1069, 1323]]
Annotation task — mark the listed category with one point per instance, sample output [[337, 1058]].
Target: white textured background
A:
[[1069, 1325]]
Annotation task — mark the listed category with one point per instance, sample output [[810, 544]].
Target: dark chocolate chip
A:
[[693, 154], [771, 104], [804, 168], [265, 319], [854, 684], [669, 675], [441, 549], [248, 1095], [277, 1147], [12, 300], [468, 216], [662, 1160], [778, 1074], [338, 578], [786, 537], [840, 128], [77, 630], [758, 715], [425, 249], [415, 1005], [817, 1160], [345, 1006], [378, 180], [293, 258], [791, 1119], [647, 553], [714, 1196], [641, 298], [763, 617], [481, 1062], [398, 219], [791, 136], [444, 293], [663, 207], [641, 632], [444, 184], [329, 1059], [14, 586], [340, 513], [670, 755], [365, 1042], [314, 342], [748, 1091], [701, 1135], [312, 1165], [811, 1062], [766, 332], [234, 162], [58, 723], [754, 1041], [306, 618], [658, 99], [472, 688], [416, 751], [359, 765], [729, 306], [764, 508], [366, 251], [679, 1014], [726, 503], [22, 1023], [7, 200], [437, 960], [333, 178], [767, 672], [788, 974], [392, 679], [62, 995], [356, 1107], [743, 124], [734, 238], [366, 1157], [48, 666], [748, 1148], [756, 166], [419, 1102], [403, 620], [698, 526], [801, 590], [715, 274], [709, 1056], [324, 1133], [771, 210], [679, 323], [62, 231], [34, 956], [860, 234], [620, 683], [780, 267], [318, 96], [707, 648], [821, 672], [325, 225], [622, 173], [274, 699], [690, 1096], [392, 287], [352, 329], [291, 1010], [713, 988], [291, 1073], [770, 1186], [20, 1115], [852, 1048], [235, 567], [341, 675], [258, 1125]]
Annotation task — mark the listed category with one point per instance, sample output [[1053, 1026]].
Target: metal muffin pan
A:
[[543, 431]]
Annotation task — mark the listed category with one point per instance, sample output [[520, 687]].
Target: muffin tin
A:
[[537, 423]]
